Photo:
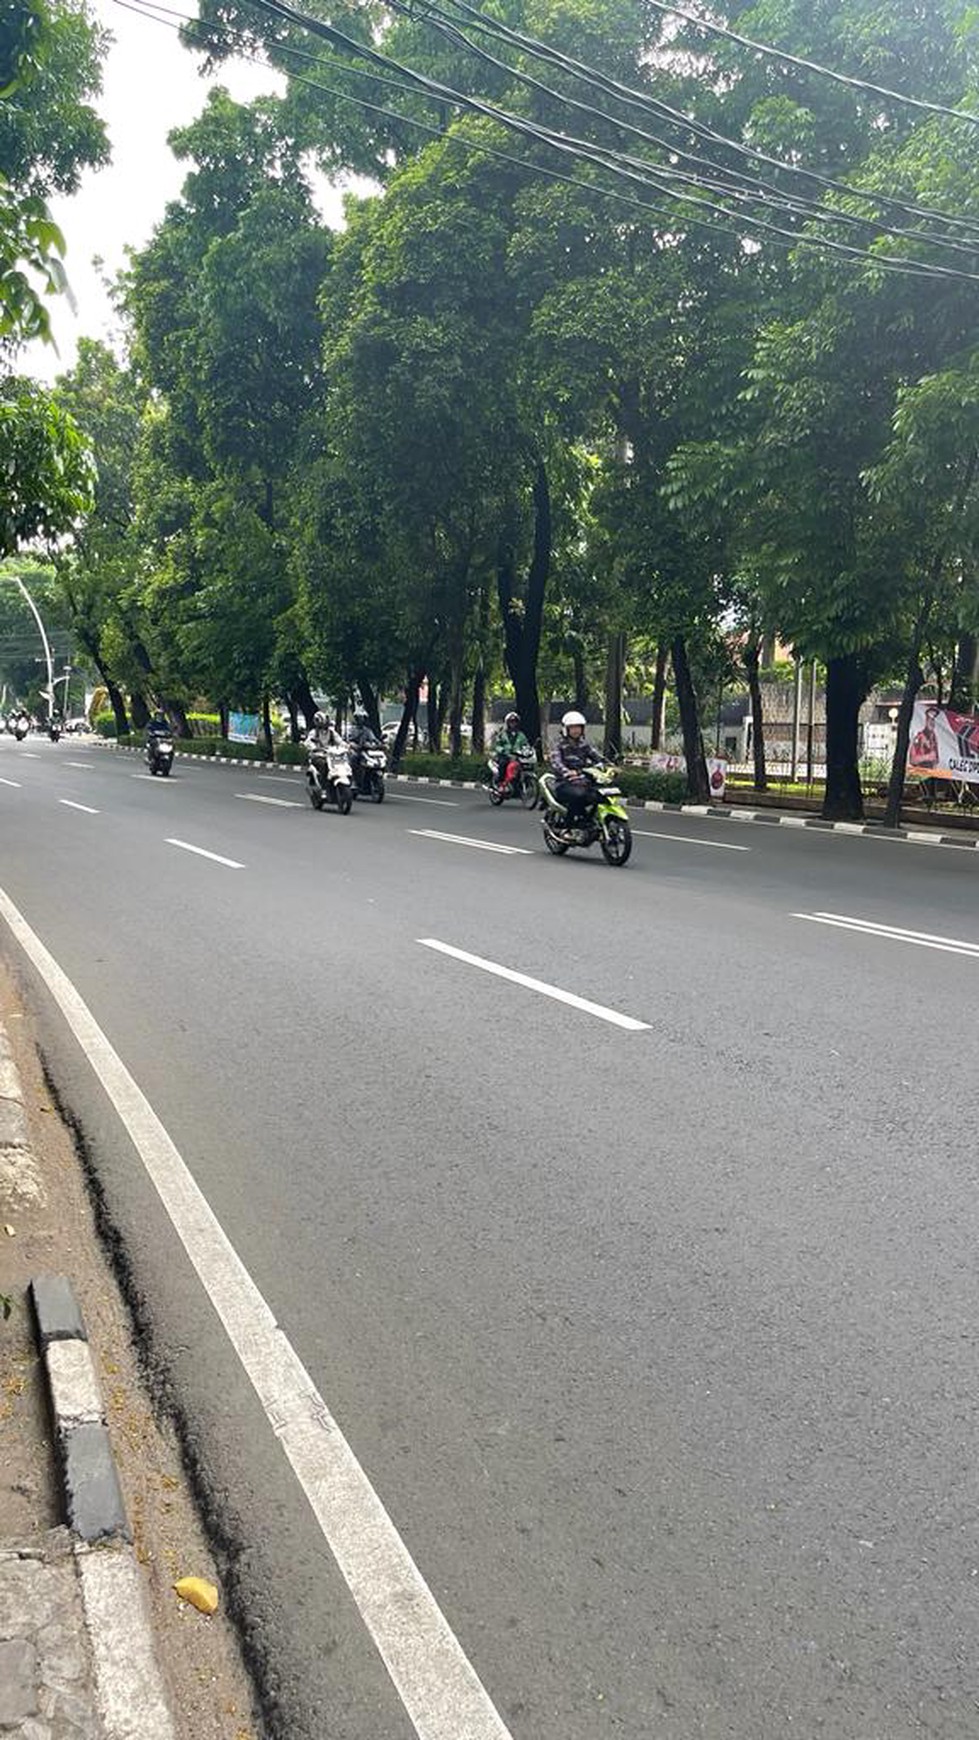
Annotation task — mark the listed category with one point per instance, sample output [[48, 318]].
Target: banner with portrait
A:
[[944, 744]]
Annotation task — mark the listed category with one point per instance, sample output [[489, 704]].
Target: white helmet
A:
[[573, 719]]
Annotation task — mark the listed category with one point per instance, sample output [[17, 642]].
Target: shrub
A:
[[426, 766], [290, 754], [664, 788], [205, 746], [104, 724]]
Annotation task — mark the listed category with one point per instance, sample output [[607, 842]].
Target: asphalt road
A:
[[659, 1345]]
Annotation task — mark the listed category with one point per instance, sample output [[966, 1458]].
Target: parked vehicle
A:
[[329, 778], [368, 766], [159, 753], [607, 825], [519, 780]]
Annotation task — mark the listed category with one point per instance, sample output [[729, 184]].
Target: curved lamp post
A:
[[49, 692]]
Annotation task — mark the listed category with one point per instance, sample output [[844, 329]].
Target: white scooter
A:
[[329, 778]]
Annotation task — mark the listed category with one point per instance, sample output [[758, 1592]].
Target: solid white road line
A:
[[202, 852], [257, 797], [70, 805], [480, 845], [559, 996], [437, 1684], [893, 933], [684, 840], [403, 797], [13, 782]]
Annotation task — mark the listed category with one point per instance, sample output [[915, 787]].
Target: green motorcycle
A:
[[607, 824]]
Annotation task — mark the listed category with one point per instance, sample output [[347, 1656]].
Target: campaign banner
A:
[[243, 727], [660, 762], [944, 744]]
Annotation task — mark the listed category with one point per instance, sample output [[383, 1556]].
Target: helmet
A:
[[573, 719], [360, 716], [319, 720], [512, 719]]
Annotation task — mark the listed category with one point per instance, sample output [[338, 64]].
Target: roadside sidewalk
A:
[[96, 1522]]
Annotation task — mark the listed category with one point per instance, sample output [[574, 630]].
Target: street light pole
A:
[[18, 582]]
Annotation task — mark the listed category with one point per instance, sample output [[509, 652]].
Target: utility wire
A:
[[733, 182], [812, 66], [633, 98], [672, 220], [569, 145]]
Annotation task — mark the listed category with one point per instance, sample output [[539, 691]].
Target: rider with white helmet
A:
[[571, 755]]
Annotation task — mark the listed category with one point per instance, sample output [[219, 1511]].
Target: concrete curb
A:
[[132, 1701], [711, 812]]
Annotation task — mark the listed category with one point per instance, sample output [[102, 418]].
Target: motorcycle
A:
[[519, 781], [20, 729], [159, 755], [329, 778], [369, 764], [54, 732], [607, 824]]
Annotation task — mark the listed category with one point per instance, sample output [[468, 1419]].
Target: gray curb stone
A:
[[56, 1310], [93, 1497]]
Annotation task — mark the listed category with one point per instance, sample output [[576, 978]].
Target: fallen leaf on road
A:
[[199, 1593]]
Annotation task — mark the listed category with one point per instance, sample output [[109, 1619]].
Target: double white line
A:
[[919, 939]]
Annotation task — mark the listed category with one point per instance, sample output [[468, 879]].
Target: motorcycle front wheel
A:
[[529, 792], [165, 769], [379, 788], [344, 800], [616, 841]]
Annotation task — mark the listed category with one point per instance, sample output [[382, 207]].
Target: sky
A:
[[151, 84]]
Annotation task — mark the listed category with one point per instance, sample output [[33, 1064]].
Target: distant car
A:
[[75, 725]]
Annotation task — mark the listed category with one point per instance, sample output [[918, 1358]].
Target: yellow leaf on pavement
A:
[[199, 1593]]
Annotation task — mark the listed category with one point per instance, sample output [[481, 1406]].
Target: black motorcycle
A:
[[159, 754], [368, 763]]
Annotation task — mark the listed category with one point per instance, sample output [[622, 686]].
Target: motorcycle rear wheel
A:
[[495, 795], [553, 844], [616, 842], [315, 798]]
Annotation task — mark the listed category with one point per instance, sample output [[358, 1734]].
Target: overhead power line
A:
[[733, 183], [680, 119], [636, 171], [769, 50], [573, 146]]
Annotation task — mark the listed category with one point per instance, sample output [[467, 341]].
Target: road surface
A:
[[642, 1326]]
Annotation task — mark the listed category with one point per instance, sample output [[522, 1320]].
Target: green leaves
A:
[[47, 474]]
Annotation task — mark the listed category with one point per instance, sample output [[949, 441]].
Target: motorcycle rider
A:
[[360, 736], [322, 737], [510, 741], [571, 755], [158, 726]]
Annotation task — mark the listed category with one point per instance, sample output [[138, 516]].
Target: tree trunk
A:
[[522, 628], [895, 787], [293, 712], [659, 696], [698, 787], [847, 687], [304, 696], [581, 695], [117, 703], [455, 689], [174, 711], [139, 710], [614, 681], [267, 727], [434, 715], [407, 718], [965, 679], [369, 699], [479, 678], [752, 663], [224, 719]]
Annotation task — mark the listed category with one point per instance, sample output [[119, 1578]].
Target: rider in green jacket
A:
[[510, 742]]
